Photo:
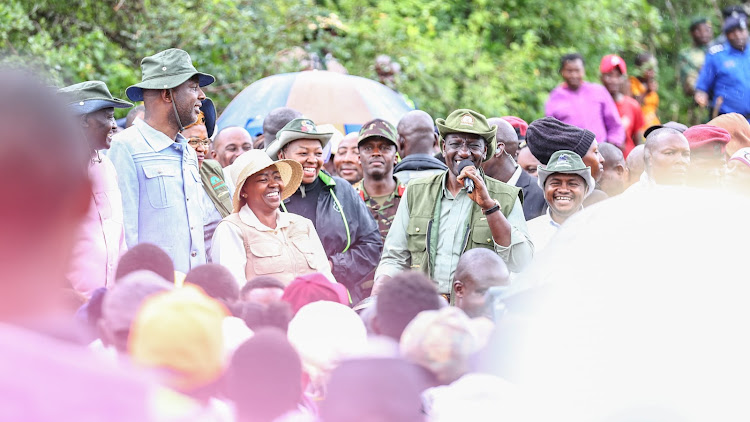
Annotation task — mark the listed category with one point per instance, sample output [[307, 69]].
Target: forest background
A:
[[498, 57]]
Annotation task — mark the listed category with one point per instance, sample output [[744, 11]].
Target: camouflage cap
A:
[[567, 162], [164, 70], [90, 96], [469, 121], [378, 127]]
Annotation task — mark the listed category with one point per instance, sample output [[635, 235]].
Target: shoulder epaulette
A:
[[716, 49]]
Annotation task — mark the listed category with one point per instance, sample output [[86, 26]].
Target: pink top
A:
[[101, 237]]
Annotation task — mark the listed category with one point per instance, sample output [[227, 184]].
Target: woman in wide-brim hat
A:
[[257, 238]]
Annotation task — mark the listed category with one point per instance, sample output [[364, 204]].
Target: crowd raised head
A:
[[275, 120], [262, 289], [416, 134], [311, 288], [346, 159], [528, 162], [520, 126], [401, 299], [230, 143], [145, 256], [501, 166], [216, 281], [478, 270], [666, 157], [615, 176], [708, 157], [636, 164]]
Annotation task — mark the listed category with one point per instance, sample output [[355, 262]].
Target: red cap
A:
[[611, 61], [703, 136], [517, 123], [313, 287]]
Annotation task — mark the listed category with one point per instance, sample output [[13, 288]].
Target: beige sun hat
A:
[[256, 160]]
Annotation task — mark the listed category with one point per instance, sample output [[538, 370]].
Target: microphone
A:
[[468, 183]]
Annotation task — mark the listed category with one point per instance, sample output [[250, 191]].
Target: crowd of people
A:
[[180, 272]]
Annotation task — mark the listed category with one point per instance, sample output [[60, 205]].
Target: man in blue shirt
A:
[[725, 76], [157, 169]]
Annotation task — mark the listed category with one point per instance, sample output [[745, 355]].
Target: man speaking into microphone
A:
[[442, 216]]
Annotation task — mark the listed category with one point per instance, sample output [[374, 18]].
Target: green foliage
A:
[[498, 57]]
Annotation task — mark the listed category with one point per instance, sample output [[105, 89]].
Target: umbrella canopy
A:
[[345, 101]]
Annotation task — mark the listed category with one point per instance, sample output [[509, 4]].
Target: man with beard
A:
[[157, 169], [442, 216], [666, 158]]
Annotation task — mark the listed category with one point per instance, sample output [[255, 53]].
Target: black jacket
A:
[[365, 246], [534, 204], [418, 162]]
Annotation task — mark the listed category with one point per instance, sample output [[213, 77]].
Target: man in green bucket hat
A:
[[442, 216], [157, 169]]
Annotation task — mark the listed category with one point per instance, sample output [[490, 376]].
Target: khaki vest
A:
[[285, 260], [422, 196]]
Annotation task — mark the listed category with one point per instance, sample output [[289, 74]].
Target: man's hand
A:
[[701, 98], [480, 195]]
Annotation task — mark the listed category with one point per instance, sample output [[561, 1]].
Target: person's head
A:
[[198, 138], [378, 146], [416, 134], [478, 269], [94, 107], [216, 281], [262, 289], [615, 176], [548, 135], [708, 157], [738, 171], [263, 183], [572, 71], [146, 256], [346, 159], [230, 143], [735, 28], [121, 303], [506, 137], [613, 70], [701, 31], [465, 135], [264, 377], [170, 88], [387, 70], [520, 126], [137, 112], [275, 120], [527, 161], [646, 66], [301, 141], [378, 389], [179, 332], [667, 156], [311, 288], [738, 128], [636, 163], [257, 315], [566, 181], [401, 299]]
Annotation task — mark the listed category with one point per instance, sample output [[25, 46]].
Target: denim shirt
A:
[[161, 193]]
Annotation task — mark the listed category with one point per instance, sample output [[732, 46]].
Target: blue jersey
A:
[[726, 74]]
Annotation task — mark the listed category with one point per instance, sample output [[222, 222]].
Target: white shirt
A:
[[516, 175], [541, 230]]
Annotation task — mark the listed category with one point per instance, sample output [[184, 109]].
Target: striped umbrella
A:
[[345, 101]]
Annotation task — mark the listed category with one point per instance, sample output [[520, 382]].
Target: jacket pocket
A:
[[160, 180], [267, 258], [416, 234], [481, 235], [308, 250]]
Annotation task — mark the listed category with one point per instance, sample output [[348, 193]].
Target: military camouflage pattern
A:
[[384, 214], [691, 62], [378, 127]]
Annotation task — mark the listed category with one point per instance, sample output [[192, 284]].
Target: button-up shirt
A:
[[541, 230], [161, 193], [726, 74]]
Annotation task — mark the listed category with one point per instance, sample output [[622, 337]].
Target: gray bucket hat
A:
[[164, 70], [567, 162], [90, 96]]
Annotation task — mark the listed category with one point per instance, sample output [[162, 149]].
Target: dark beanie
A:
[[548, 135]]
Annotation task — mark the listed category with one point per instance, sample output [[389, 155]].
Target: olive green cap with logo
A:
[[165, 70], [464, 120], [90, 96], [566, 162], [297, 129]]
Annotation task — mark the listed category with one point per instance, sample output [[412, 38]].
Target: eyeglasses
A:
[[194, 142], [475, 145]]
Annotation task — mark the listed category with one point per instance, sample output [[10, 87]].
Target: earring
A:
[[244, 195]]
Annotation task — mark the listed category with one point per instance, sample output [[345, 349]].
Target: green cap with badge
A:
[[301, 128], [567, 162], [90, 96], [469, 121], [380, 128], [164, 70]]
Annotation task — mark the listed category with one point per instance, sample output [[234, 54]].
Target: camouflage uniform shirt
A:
[[385, 213], [691, 62]]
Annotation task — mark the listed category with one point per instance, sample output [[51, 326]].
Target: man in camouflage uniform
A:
[[691, 61], [379, 189]]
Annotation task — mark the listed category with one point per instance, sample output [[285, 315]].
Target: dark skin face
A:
[[470, 291], [263, 190], [188, 98], [702, 34], [707, 167], [594, 160], [564, 193], [573, 73], [528, 162], [230, 144], [738, 38], [377, 156], [99, 126], [669, 160], [198, 139], [346, 160], [613, 82], [463, 146], [307, 152]]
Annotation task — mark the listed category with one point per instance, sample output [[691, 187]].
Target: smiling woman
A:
[[257, 238]]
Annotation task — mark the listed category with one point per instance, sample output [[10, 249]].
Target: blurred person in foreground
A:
[[438, 219], [666, 158], [636, 164], [263, 289], [400, 300], [708, 156], [738, 173], [417, 142], [738, 128], [311, 288], [478, 270], [615, 176], [259, 239], [44, 378], [101, 238], [349, 235]]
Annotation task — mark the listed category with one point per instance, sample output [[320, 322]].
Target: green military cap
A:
[[469, 121], [297, 129], [90, 96], [166, 69], [378, 127], [567, 162]]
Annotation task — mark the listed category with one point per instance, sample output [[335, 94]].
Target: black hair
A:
[[261, 282], [642, 58], [257, 315], [401, 299], [571, 58], [146, 256], [215, 280]]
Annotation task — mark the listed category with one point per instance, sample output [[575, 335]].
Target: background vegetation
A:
[[499, 57]]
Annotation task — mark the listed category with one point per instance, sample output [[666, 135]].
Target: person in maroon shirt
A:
[[613, 71]]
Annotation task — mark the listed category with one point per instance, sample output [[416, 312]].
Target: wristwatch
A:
[[493, 209]]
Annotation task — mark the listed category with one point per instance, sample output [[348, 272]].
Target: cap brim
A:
[[135, 92], [91, 106], [291, 175], [543, 174], [288, 136], [489, 137], [209, 115]]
